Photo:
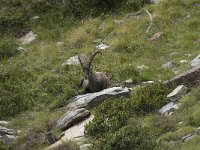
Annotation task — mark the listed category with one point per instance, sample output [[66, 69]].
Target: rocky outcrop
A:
[[196, 61], [91, 99], [177, 93], [71, 61], [72, 117], [7, 136], [74, 133], [189, 78], [28, 38], [168, 108]]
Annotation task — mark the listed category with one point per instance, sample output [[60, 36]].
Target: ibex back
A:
[[93, 81]]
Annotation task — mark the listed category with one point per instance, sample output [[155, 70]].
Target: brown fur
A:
[[93, 81]]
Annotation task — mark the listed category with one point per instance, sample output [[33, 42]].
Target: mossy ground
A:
[[36, 82]]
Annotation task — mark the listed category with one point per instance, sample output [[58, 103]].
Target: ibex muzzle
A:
[[93, 81]]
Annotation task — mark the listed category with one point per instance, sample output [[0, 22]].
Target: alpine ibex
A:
[[93, 81]]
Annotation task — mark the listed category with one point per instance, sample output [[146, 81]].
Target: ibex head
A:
[[87, 67]]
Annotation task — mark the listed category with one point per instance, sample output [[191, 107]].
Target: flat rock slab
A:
[[102, 46], [177, 93], [28, 38], [72, 117], [188, 78], [196, 61], [168, 107], [74, 133], [92, 99], [6, 131]]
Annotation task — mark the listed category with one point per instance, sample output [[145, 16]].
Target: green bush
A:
[[113, 114], [8, 47], [128, 138]]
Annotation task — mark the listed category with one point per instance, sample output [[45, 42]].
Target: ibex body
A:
[[93, 81]]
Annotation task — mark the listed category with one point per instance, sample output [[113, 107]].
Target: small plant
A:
[[8, 47]]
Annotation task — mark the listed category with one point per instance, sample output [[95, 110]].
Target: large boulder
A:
[[72, 117], [177, 93], [188, 78], [28, 38], [168, 108], [196, 61], [91, 99], [75, 133]]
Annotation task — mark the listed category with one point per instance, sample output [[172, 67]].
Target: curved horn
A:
[[80, 61], [92, 57]]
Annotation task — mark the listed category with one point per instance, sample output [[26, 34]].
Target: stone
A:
[[36, 18], [71, 61], [2, 122], [183, 61], [7, 139], [7, 131], [168, 107], [118, 22], [177, 93], [28, 38], [189, 78], [168, 65], [156, 36], [173, 53], [92, 99], [196, 61], [147, 82], [20, 49], [102, 46], [128, 82], [72, 117], [74, 133], [188, 137], [60, 44], [85, 146], [142, 67]]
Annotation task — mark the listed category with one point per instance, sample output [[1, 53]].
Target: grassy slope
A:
[[49, 84]]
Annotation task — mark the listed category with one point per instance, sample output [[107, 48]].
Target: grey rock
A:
[[173, 53], [168, 65], [71, 61], [177, 93], [189, 78], [102, 46], [72, 117], [91, 99], [75, 133], [147, 82], [60, 43], [4, 131], [20, 50], [188, 137], [85, 146], [183, 61], [196, 62], [168, 107], [35, 17], [142, 67], [28, 38], [118, 22], [7, 139], [2, 122]]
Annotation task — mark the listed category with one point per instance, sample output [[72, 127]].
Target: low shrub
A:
[[113, 114], [128, 138], [8, 47]]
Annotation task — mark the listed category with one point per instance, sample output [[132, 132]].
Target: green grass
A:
[[36, 81]]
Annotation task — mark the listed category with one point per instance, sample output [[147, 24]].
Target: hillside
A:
[[141, 42]]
